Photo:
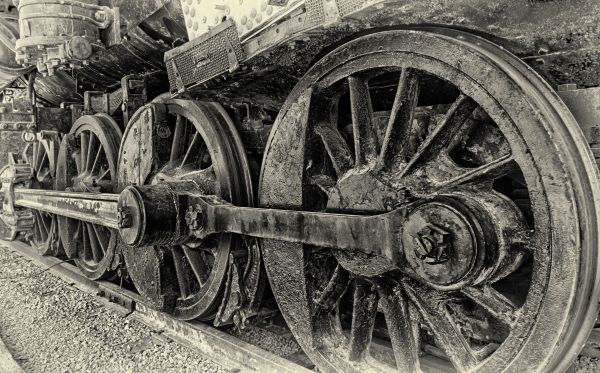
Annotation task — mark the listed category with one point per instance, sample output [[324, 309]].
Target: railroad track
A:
[[7, 363], [227, 350]]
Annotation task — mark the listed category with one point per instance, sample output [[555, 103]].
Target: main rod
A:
[[340, 231]]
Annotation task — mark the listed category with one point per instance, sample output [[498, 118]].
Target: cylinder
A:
[[55, 33], [9, 33]]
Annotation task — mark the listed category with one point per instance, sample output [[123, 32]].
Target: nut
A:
[[124, 218], [192, 217], [434, 244]]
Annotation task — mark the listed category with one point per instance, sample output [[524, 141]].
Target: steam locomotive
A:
[[414, 183]]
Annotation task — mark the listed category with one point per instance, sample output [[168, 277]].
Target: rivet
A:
[[243, 20], [269, 10], [204, 19], [253, 13], [249, 24], [186, 9], [263, 6], [258, 18], [216, 19], [195, 26], [193, 12]]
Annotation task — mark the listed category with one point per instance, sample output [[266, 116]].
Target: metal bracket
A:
[[135, 95], [13, 219], [117, 298]]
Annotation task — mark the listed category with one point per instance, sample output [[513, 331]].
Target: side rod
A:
[[96, 208], [372, 233]]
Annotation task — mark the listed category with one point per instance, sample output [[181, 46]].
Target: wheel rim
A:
[[194, 145], [45, 228], [87, 163], [424, 174]]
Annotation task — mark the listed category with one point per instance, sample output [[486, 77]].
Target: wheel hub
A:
[[440, 243]]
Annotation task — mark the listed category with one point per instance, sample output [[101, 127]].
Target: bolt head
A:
[[191, 218]]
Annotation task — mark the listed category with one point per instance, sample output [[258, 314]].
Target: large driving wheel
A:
[[187, 145], [87, 162], [497, 265]]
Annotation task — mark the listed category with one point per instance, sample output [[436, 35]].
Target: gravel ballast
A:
[[50, 326]]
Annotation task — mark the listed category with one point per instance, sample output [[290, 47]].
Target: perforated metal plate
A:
[[202, 15], [205, 57]]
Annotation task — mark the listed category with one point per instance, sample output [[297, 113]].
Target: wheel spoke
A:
[[394, 145], [329, 298], [43, 225], [192, 149], [402, 329], [432, 307], [77, 158], [96, 159], [197, 263], [34, 155], [363, 319], [494, 302], [180, 272], [443, 134], [336, 148], [487, 172], [37, 225], [178, 136], [42, 175], [100, 238], [104, 174], [83, 148], [90, 150], [93, 243], [44, 158], [83, 236], [365, 137]]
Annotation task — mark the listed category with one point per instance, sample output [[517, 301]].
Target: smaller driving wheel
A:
[[41, 156], [87, 163], [175, 145]]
